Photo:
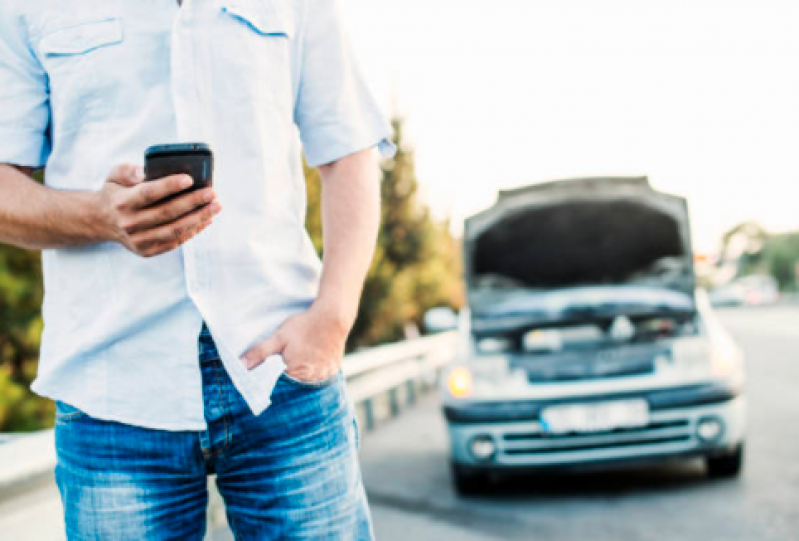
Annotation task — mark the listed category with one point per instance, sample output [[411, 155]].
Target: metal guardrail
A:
[[394, 374], [380, 381]]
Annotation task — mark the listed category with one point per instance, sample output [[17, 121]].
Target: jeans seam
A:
[[357, 432], [232, 521], [210, 453], [70, 416], [59, 416], [226, 405]]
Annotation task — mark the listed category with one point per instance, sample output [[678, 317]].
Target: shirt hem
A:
[[382, 141], [126, 420]]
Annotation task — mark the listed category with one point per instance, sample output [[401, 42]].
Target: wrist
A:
[[337, 312], [100, 224]]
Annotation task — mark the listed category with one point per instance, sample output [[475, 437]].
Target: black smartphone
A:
[[193, 159]]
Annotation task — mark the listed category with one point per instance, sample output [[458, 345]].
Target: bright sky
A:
[[701, 96]]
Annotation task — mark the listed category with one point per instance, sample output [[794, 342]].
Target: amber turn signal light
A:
[[460, 382]]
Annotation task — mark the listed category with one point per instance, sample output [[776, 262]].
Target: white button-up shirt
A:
[[88, 84]]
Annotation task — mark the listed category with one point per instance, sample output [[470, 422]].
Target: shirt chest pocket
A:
[[253, 51], [79, 60]]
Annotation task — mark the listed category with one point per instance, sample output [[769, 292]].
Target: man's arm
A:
[[350, 220], [312, 343], [35, 216]]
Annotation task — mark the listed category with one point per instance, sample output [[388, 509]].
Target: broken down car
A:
[[586, 342]]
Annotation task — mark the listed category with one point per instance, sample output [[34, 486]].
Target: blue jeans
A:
[[290, 473]]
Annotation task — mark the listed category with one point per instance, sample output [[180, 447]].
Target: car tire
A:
[[468, 482], [727, 465]]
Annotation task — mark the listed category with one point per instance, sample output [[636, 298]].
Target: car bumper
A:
[[671, 432]]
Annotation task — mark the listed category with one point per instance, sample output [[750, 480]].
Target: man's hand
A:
[[133, 219], [312, 344]]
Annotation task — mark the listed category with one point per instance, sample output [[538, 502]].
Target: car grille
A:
[[539, 443]]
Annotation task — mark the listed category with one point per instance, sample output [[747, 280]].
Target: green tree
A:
[[753, 250], [780, 257], [417, 262], [20, 332]]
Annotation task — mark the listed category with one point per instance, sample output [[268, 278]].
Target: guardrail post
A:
[[393, 397], [411, 392], [368, 414]]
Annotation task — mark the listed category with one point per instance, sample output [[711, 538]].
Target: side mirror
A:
[[440, 319]]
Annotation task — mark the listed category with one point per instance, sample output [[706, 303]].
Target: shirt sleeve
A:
[[24, 98], [335, 112]]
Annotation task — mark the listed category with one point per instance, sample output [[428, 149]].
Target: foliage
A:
[[417, 262], [780, 257], [743, 245], [756, 251], [20, 329]]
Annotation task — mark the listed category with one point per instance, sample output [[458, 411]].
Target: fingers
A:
[[148, 193], [126, 175], [168, 212], [258, 353], [169, 236], [310, 372]]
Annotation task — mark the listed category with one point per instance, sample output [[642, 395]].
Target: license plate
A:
[[598, 417]]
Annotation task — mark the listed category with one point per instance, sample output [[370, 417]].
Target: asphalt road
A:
[[406, 473]]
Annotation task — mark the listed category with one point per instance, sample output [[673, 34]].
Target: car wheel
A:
[[468, 482], [726, 465]]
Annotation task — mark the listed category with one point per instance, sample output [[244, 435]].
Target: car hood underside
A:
[[585, 233]]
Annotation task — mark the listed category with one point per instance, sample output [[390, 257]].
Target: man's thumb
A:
[[126, 175]]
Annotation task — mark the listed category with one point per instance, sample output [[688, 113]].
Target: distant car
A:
[[754, 290], [586, 342]]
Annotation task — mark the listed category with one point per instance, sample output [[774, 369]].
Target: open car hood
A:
[[574, 234]]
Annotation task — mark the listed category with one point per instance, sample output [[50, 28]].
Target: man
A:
[[200, 334]]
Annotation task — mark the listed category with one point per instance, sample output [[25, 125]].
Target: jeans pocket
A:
[[316, 384], [65, 413]]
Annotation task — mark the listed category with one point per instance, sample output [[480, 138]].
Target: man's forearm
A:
[[350, 221], [35, 216]]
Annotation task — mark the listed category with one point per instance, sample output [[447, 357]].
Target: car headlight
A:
[[460, 383], [724, 362], [698, 356]]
